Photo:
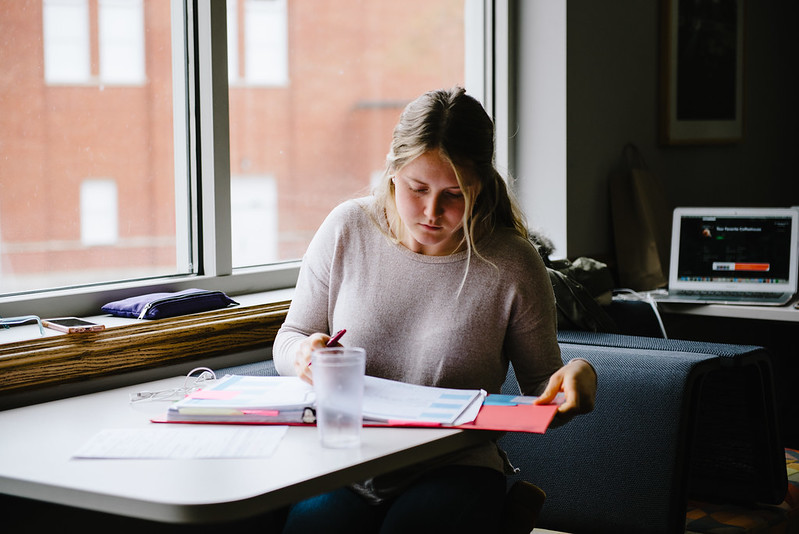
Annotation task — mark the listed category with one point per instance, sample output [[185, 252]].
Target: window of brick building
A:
[[105, 177], [92, 41], [99, 212], [325, 83]]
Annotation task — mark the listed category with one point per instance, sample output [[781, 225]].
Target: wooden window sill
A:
[[35, 364]]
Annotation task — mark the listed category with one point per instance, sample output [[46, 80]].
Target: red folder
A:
[[518, 418]]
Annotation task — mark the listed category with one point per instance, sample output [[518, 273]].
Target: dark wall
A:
[[613, 50]]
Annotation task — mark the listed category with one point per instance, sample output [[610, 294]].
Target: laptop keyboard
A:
[[736, 295]]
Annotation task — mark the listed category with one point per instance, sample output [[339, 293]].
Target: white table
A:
[[37, 444], [787, 313]]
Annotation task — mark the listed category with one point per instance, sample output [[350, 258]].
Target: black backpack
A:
[[578, 285]]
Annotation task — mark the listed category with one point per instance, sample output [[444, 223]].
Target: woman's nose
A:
[[433, 206]]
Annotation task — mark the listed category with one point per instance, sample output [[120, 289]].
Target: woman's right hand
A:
[[302, 362]]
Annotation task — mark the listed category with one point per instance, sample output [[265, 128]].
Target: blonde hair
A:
[[456, 124]]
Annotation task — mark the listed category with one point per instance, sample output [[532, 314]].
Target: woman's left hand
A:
[[577, 381]]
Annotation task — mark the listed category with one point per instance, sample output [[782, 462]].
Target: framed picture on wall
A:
[[701, 71]]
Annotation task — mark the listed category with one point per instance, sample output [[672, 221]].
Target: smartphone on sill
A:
[[72, 325]]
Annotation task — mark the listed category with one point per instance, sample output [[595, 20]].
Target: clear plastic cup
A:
[[338, 377]]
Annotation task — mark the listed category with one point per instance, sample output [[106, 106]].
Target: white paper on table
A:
[[183, 442]]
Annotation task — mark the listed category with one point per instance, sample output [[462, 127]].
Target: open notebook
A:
[[733, 256], [287, 400]]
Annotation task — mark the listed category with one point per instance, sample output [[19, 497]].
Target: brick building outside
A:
[[88, 180]]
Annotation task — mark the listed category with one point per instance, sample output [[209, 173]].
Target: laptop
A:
[[733, 256]]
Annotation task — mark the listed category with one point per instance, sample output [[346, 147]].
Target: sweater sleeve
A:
[[309, 308], [531, 344]]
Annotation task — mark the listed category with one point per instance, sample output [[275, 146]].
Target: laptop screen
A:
[[735, 249], [732, 249]]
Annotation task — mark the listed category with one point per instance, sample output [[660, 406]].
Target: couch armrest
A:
[[622, 467], [737, 454]]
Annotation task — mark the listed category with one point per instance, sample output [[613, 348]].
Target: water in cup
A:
[[338, 376]]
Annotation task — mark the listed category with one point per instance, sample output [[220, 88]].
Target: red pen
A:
[[333, 340]]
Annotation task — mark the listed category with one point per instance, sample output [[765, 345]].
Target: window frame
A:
[[208, 166]]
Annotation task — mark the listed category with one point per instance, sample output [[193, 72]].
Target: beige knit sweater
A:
[[418, 318]]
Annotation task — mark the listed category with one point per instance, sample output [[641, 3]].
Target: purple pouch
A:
[[161, 305]]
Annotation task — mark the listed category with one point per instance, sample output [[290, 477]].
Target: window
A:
[[98, 213], [60, 132], [318, 116], [263, 46], [66, 41], [121, 41], [69, 36], [133, 160], [254, 224]]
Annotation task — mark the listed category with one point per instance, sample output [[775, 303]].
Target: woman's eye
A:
[[417, 190]]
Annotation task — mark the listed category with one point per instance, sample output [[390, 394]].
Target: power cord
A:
[[643, 297], [190, 383]]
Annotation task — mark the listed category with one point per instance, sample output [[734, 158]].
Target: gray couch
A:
[[673, 420]]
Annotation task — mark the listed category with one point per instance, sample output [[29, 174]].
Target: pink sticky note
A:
[[265, 413], [213, 395]]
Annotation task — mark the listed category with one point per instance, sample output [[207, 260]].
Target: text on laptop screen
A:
[[735, 249]]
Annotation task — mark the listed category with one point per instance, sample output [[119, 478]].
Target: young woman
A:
[[434, 276]]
